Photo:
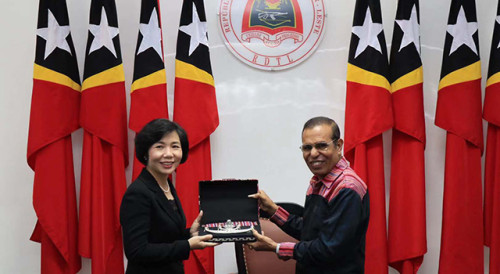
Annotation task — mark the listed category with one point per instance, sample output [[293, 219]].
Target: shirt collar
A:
[[331, 177]]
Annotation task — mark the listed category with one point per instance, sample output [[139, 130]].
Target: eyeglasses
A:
[[321, 146]]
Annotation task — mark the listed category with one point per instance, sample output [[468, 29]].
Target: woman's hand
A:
[[200, 242], [265, 202], [193, 231]]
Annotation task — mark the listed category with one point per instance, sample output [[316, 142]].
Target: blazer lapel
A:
[[162, 200]]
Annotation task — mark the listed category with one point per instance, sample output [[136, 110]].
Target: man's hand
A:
[[193, 231], [263, 243], [265, 202], [200, 242]]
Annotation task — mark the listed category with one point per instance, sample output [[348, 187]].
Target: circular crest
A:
[[272, 34]]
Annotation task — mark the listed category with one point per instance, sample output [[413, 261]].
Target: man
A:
[[332, 231]]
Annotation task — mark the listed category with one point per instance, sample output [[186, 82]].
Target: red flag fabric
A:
[[148, 98], [492, 197], [195, 109], [492, 161], [105, 155], [407, 242], [54, 114], [368, 115], [458, 112]]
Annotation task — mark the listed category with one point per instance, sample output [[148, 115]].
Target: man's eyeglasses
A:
[[321, 146]]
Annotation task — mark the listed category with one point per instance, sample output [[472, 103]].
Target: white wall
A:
[[261, 113]]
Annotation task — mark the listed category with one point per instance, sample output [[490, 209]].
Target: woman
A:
[[154, 234]]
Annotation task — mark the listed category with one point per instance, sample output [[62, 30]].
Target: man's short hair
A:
[[153, 132], [321, 120]]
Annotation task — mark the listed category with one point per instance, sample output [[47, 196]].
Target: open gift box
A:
[[228, 214]]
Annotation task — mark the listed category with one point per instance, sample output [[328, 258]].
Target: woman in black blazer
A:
[[154, 226]]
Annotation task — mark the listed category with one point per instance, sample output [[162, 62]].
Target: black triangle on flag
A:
[[149, 50], [52, 52], [365, 52], [461, 47], [494, 64], [405, 47], [103, 46], [192, 48]]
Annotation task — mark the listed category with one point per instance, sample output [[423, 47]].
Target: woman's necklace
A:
[[167, 190]]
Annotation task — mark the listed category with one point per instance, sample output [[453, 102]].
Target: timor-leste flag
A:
[[148, 98], [407, 242], [492, 160], [368, 115], [195, 109], [105, 156], [458, 111], [55, 105]]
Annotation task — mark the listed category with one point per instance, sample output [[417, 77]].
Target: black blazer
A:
[[154, 235]]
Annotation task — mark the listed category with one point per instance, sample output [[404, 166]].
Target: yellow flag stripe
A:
[[190, 72], [410, 79], [493, 79], [362, 76], [465, 74], [109, 76], [153, 79], [45, 74]]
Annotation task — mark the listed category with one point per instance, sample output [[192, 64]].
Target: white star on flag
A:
[[498, 21], [410, 30], [103, 35], [54, 35], [151, 35], [367, 34], [197, 30], [462, 32]]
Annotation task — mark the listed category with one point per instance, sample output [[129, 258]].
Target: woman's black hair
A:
[[152, 132]]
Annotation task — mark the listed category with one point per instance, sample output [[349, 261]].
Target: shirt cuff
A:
[[280, 216], [285, 250]]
